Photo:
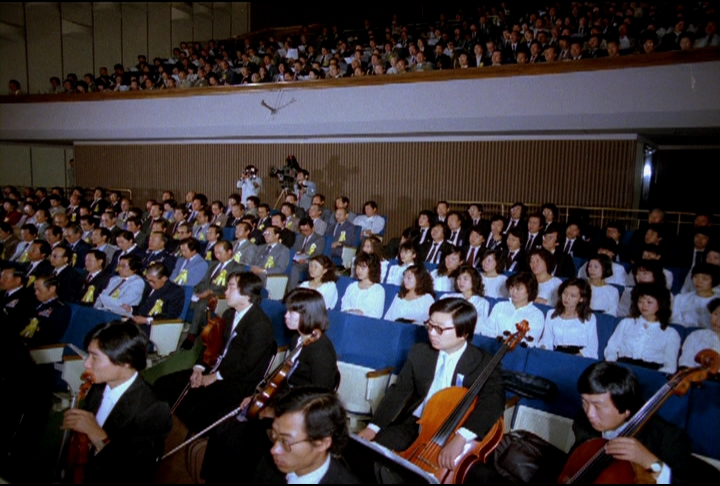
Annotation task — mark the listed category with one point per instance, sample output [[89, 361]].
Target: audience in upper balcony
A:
[[524, 35]]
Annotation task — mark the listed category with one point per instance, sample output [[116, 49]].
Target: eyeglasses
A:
[[438, 330], [276, 439]]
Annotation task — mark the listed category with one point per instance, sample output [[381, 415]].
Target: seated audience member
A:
[[475, 219], [645, 271], [444, 275], [523, 289], [28, 234], [127, 246], [564, 265], [493, 280], [124, 421], [100, 241], [201, 224], [433, 251], [287, 236], [535, 227], [408, 256], [96, 277], [430, 368], [244, 250], [273, 257], [69, 280], [157, 252], [366, 297], [413, 301], [126, 287], [618, 275], [73, 239], [571, 326], [614, 231], [516, 258], [605, 297], [39, 262], [474, 251], [575, 245], [646, 338], [611, 396], [456, 233], [687, 258], [214, 282], [50, 319], [702, 339], [17, 301], [425, 221], [214, 234], [371, 223], [373, 245], [292, 221], [163, 299], [541, 261], [496, 237], [344, 233], [307, 244], [323, 275], [654, 252], [690, 309], [469, 286], [319, 416], [190, 268], [134, 226]]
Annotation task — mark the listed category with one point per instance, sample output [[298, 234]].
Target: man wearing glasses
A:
[[307, 435], [449, 360]]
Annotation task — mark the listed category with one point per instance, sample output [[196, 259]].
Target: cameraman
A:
[[250, 184], [305, 189]]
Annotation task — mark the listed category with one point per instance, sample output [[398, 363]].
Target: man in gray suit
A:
[[307, 244], [244, 251], [273, 257]]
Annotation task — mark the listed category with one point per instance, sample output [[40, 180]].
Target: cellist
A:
[[448, 360], [125, 423]]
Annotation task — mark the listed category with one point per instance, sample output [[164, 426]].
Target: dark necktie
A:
[[471, 257], [568, 247], [431, 255]]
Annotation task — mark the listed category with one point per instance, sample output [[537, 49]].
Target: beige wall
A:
[[43, 39], [34, 166]]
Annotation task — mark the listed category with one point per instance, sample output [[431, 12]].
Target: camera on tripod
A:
[[287, 174]]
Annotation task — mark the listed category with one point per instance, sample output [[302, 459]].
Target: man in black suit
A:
[[448, 360], [307, 435], [96, 277], [473, 253], [73, 238], [157, 252], [516, 259], [38, 264], [69, 281], [126, 243], [343, 233], [17, 302], [163, 298], [50, 319], [433, 251], [248, 346], [124, 421], [564, 264], [575, 246]]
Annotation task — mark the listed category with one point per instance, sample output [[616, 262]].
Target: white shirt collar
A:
[[110, 398], [313, 477]]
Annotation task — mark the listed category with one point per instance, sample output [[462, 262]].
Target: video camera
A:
[[286, 175]]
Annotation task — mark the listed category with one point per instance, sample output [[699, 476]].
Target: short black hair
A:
[[124, 343], [249, 285], [609, 377], [463, 314], [310, 304]]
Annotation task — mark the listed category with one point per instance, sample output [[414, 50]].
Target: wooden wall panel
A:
[[402, 177]]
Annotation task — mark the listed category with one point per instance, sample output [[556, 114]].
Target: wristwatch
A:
[[656, 467]]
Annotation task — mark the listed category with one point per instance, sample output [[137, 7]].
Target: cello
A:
[[76, 445], [590, 464], [445, 413], [264, 392]]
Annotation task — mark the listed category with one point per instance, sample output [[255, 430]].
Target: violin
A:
[[590, 464], [264, 392], [445, 413], [78, 446]]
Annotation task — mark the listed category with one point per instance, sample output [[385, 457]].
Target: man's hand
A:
[[630, 449], [126, 307], [196, 378], [139, 319], [208, 380], [84, 422], [367, 433], [257, 270], [451, 451]]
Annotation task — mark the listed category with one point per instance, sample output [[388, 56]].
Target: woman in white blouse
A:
[[571, 327], [493, 280], [323, 275], [366, 297], [646, 338], [373, 244], [469, 286], [690, 309], [702, 338], [444, 275], [523, 289], [412, 303], [540, 261], [605, 297], [408, 256]]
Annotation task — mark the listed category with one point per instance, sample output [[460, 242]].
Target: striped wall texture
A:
[[403, 177]]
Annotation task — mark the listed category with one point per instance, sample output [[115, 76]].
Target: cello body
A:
[[424, 452], [615, 472]]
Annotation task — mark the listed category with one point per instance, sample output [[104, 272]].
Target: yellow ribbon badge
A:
[[74, 261], [31, 281], [201, 236], [237, 256], [342, 237], [89, 296], [221, 279], [24, 257], [270, 262], [312, 249], [181, 279], [115, 294], [157, 308], [30, 329], [208, 255], [74, 217]]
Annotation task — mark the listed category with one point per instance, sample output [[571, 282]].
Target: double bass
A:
[[589, 463], [445, 413]]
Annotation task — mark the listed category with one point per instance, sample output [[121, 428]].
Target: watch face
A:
[[656, 467]]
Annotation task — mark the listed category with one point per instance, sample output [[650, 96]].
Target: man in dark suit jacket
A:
[[38, 264], [69, 280], [51, 317], [126, 243], [96, 277], [307, 244], [73, 238], [343, 233], [16, 301], [448, 360], [315, 414], [163, 298], [516, 259], [474, 251], [273, 257], [157, 252], [128, 436], [564, 265], [434, 251], [248, 347]]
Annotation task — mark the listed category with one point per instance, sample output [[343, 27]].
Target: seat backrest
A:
[[188, 289]]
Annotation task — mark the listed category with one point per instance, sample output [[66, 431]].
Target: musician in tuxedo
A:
[[248, 345], [319, 416], [448, 360], [611, 395], [162, 299], [124, 421]]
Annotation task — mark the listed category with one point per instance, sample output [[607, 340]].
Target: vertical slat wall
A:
[[402, 177]]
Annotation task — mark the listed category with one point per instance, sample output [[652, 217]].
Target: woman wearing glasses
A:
[[448, 360]]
